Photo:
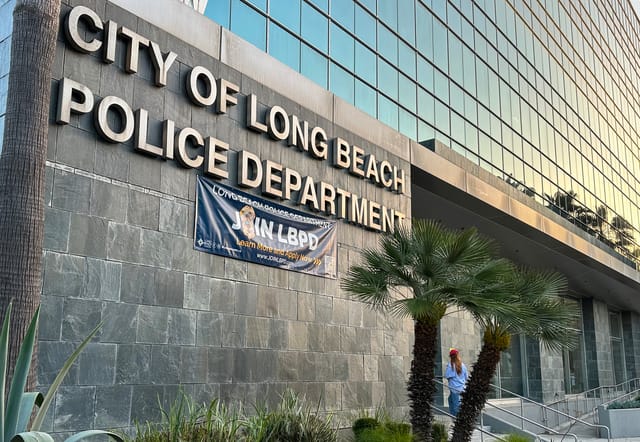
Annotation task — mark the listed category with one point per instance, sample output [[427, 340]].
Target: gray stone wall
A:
[[631, 339], [551, 374], [595, 317], [119, 249]]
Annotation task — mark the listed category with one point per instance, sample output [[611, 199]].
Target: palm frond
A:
[[367, 286], [419, 309]]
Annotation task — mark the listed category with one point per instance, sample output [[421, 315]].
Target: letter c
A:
[[73, 35]]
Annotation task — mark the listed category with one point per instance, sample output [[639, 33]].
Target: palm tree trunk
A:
[[476, 392], [22, 165], [421, 379]]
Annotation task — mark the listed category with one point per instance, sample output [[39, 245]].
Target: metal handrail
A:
[[480, 429], [631, 393], [536, 436], [531, 421], [602, 387], [561, 413]]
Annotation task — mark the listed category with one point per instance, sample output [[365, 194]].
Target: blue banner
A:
[[239, 225]]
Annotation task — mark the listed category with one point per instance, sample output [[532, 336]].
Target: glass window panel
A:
[[387, 79], [322, 4], [494, 92], [284, 46], [365, 63], [249, 24], [365, 27], [342, 47], [457, 127], [469, 63], [484, 119], [481, 45], [388, 13], [407, 58], [407, 124], [440, 43], [365, 98], [440, 8], [470, 108], [370, 4], [313, 65], [341, 83], [456, 98], [453, 19], [343, 12], [424, 24], [406, 23], [425, 74], [484, 147], [426, 106], [496, 155], [455, 59], [286, 12], [387, 112], [407, 93], [441, 85], [425, 131], [262, 4], [387, 44], [442, 118], [219, 13], [467, 32], [471, 137], [315, 28]]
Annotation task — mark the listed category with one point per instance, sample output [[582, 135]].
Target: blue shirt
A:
[[457, 382]]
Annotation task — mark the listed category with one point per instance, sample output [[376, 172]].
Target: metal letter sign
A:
[[239, 225]]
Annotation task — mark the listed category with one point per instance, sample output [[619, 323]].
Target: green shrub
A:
[[439, 432], [364, 423], [292, 420], [383, 434], [624, 405], [381, 428], [186, 421]]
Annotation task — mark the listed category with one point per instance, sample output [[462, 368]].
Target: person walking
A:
[[456, 374]]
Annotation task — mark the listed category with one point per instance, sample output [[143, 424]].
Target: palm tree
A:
[[624, 231], [564, 203], [418, 272], [542, 315], [22, 164]]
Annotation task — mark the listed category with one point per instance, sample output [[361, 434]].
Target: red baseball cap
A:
[[453, 352]]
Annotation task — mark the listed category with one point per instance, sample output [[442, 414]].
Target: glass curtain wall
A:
[[544, 94]]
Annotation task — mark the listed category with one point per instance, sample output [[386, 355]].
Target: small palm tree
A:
[[418, 273], [540, 313]]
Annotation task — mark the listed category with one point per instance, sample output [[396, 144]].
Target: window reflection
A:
[[249, 24], [342, 47], [314, 27], [313, 65], [284, 46], [286, 12], [341, 83]]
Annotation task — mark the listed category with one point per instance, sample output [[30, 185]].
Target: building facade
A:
[[518, 119]]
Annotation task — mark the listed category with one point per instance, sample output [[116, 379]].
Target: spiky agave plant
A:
[[19, 406]]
